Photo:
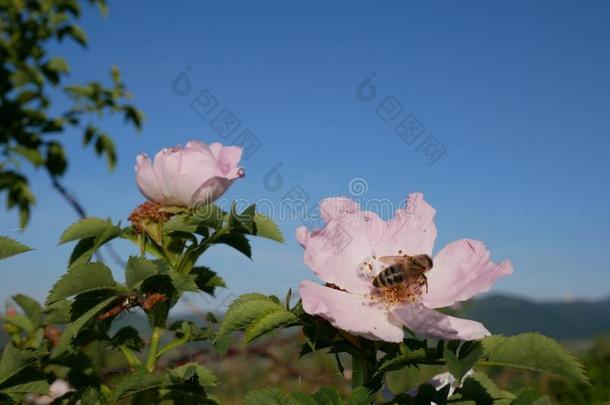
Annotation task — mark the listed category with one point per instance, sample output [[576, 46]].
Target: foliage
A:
[[31, 82]]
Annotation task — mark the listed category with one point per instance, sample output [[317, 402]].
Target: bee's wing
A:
[[389, 260]]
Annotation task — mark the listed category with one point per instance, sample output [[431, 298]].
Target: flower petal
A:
[[350, 312], [335, 252], [428, 323], [147, 180], [227, 160], [461, 270], [337, 207], [412, 229]]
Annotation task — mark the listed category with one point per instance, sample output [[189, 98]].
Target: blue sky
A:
[[517, 94]]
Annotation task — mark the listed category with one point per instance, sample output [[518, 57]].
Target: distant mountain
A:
[[504, 314]]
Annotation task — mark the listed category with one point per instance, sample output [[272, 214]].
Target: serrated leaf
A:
[[458, 367], [244, 220], [268, 323], [482, 390], [10, 247], [86, 248], [132, 384], [81, 279], [184, 282], [328, 395], [361, 396], [30, 307], [14, 361], [38, 385], [532, 351], [128, 336], [58, 313], [245, 310], [237, 241], [266, 228], [208, 215], [73, 328], [204, 377], [85, 228], [138, 269]]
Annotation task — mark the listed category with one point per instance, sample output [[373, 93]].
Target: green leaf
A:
[[268, 323], [14, 361], [237, 241], [127, 336], [105, 146], [468, 356], [244, 220], [59, 65], [328, 395], [86, 248], [31, 307], [138, 269], [265, 396], [21, 322], [532, 351], [134, 383], [10, 247], [206, 279], [81, 279], [37, 385], [188, 371], [208, 215], [78, 34], [73, 328], [245, 310], [266, 228], [184, 282], [85, 228], [482, 390], [58, 313]]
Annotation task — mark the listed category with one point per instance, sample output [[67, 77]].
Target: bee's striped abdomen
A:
[[388, 277]]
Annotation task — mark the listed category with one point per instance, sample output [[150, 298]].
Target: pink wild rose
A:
[[187, 176], [345, 253]]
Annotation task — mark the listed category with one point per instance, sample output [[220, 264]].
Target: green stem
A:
[[359, 371], [151, 359]]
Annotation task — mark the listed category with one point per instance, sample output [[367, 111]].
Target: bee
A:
[[407, 270]]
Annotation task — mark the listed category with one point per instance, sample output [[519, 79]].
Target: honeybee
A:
[[407, 270]]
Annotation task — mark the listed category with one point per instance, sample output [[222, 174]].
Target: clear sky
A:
[[517, 93]]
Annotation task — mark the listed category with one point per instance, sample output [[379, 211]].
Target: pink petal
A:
[[302, 235], [215, 148], [349, 312], [428, 323], [198, 166], [412, 229], [337, 208], [146, 179], [461, 270], [227, 160], [166, 165], [335, 252], [210, 191]]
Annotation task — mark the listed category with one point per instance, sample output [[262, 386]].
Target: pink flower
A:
[[345, 253], [190, 175]]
